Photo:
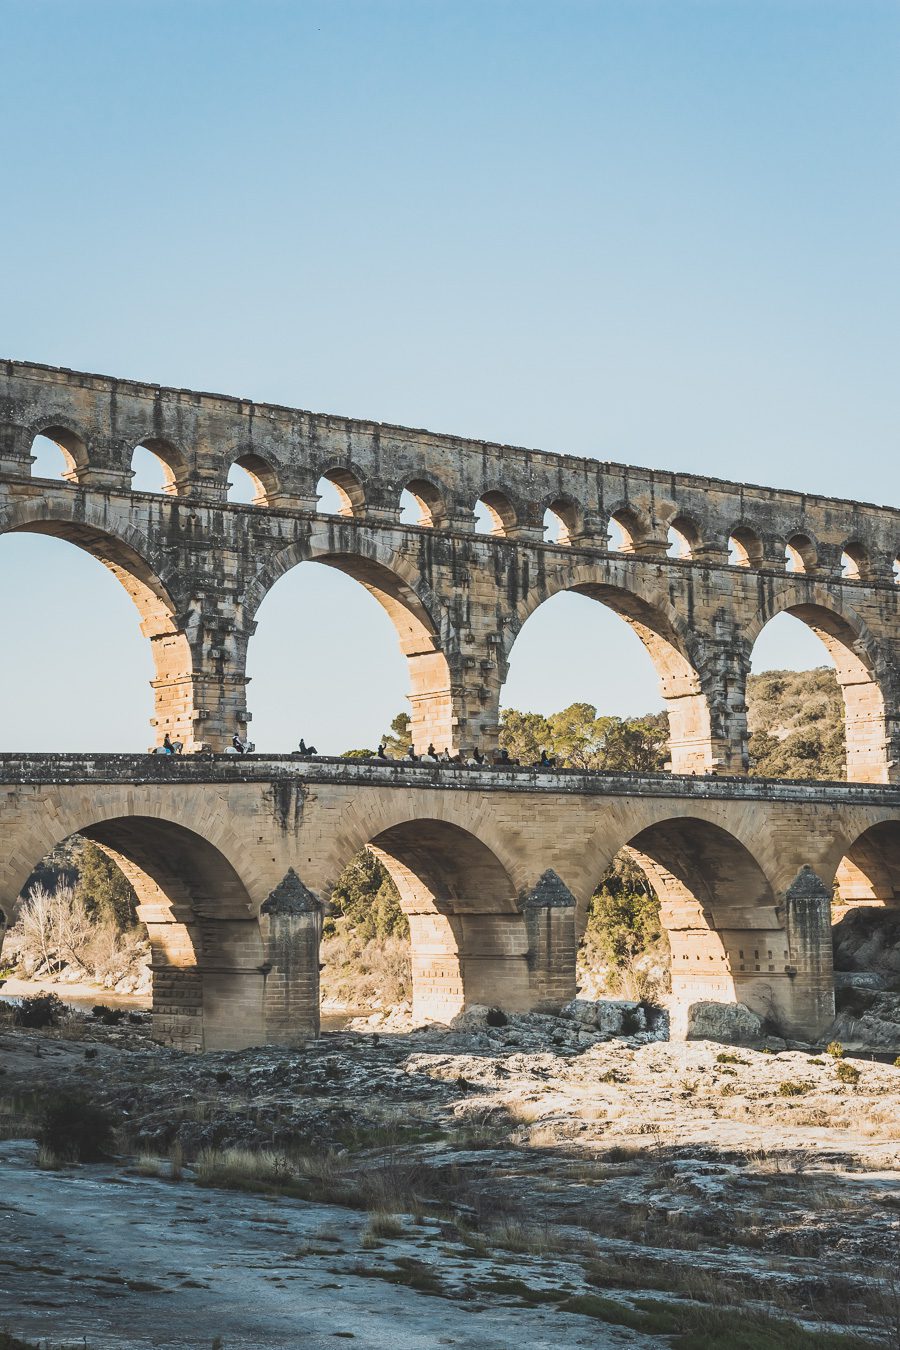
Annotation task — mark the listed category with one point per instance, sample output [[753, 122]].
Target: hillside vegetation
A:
[[796, 721]]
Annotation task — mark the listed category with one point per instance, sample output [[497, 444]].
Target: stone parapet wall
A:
[[286, 775]]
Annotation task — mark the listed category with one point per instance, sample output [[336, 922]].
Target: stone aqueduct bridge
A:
[[198, 567], [230, 858]]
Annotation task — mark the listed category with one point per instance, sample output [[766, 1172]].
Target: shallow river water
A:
[[127, 1262]]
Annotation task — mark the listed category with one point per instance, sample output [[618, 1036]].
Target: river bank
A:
[[481, 1172]]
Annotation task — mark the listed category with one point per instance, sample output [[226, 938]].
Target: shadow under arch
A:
[[728, 938], [693, 747], [126, 554], [468, 937], [414, 610], [869, 872], [862, 672]]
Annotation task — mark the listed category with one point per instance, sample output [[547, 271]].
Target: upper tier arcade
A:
[[198, 567]]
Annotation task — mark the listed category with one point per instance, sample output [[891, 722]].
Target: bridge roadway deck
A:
[[232, 858], [87, 767]]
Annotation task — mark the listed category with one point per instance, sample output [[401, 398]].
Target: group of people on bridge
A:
[[497, 759]]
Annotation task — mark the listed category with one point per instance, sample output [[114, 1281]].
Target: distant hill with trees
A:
[[796, 721]]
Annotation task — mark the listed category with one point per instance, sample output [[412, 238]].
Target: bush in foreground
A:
[[73, 1128], [40, 1010]]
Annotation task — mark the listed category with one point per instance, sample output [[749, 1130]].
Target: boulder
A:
[[859, 979], [875, 1027], [731, 1023]]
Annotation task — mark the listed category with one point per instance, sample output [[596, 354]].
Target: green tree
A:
[[524, 735], [367, 898], [399, 738], [636, 744], [579, 739], [103, 889], [624, 918]]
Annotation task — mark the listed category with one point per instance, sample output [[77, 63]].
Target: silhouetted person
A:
[[546, 761], [446, 757], [477, 755], [167, 746], [382, 754], [307, 749], [238, 744], [432, 753], [412, 756]]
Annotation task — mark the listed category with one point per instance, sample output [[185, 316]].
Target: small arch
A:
[[626, 530], [70, 445], [495, 514], [562, 521], [684, 537], [468, 939], [340, 493], [854, 562], [423, 504], [800, 554], [157, 466], [744, 547], [257, 485], [896, 570]]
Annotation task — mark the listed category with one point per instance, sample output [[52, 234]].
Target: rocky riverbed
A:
[[543, 1178]]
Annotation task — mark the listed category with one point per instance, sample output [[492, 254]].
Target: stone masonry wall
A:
[[198, 567]]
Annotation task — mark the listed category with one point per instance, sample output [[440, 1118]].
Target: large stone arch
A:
[[468, 936], [698, 739], [207, 954], [868, 680], [421, 622], [738, 929], [126, 553]]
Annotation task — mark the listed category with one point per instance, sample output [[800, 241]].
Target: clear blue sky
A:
[[661, 231]]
